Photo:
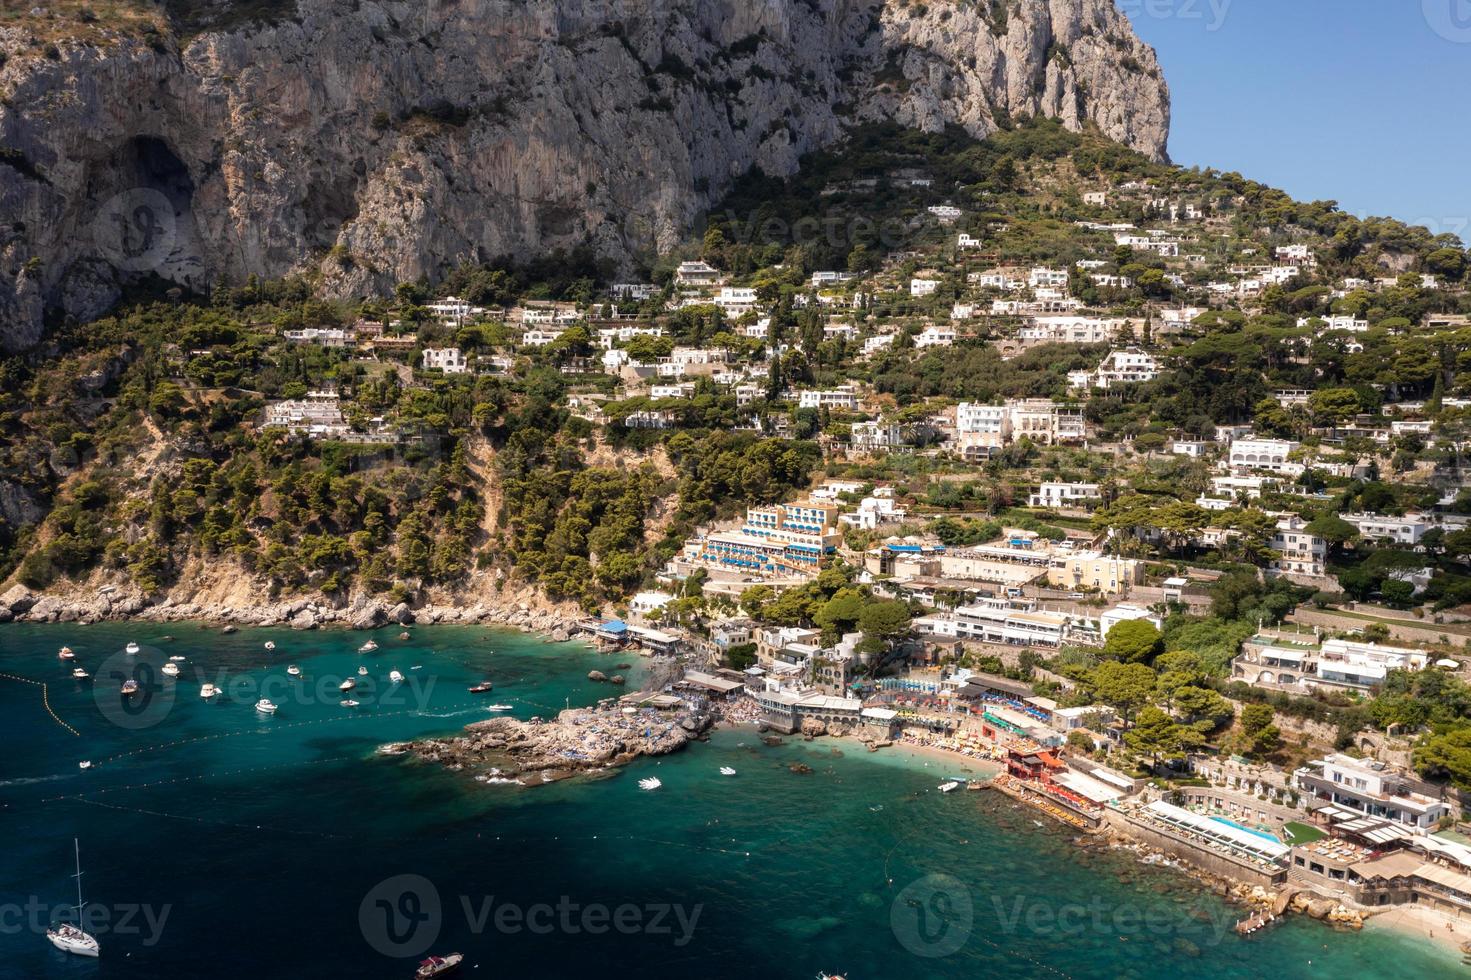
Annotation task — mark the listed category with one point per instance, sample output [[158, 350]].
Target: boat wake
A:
[[32, 780]]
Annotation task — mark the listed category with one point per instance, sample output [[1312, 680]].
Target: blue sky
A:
[[1366, 102]]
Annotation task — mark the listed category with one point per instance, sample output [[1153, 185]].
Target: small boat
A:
[[368, 647], [395, 677], [348, 703], [131, 648], [130, 687], [294, 670], [417, 667], [362, 672], [437, 966], [208, 691], [347, 685], [266, 706], [172, 669], [651, 782], [270, 644], [498, 707], [85, 764], [177, 658], [68, 938], [484, 687], [947, 787], [727, 771], [80, 674], [65, 653]]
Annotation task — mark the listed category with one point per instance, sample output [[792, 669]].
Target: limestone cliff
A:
[[379, 141]]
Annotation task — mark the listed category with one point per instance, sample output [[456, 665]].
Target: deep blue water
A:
[[219, 843]]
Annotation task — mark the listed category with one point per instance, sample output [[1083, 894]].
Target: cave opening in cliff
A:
[[141, 213]]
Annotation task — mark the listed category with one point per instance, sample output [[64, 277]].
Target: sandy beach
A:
[[1444, 929]]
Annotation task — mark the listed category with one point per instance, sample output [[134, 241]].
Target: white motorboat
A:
[[498, 707], [177, 659], [266, 706], [80, 674], [395, 677], [270, 644], [347, 685], [727, 771], [651, 782], [129, 688], [294, 670], [947, 787], [85, 764], [208, 691], [65, 653], [368, 647], [435, 966], [68, 938], [171, 669], [131, 648], [349, 703], [362, 672]]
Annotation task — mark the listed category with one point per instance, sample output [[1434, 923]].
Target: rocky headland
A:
[[578, 740]]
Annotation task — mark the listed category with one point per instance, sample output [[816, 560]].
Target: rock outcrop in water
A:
[[579, 740], [375, 142]]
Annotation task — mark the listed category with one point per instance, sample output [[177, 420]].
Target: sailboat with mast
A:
[[67, 937]]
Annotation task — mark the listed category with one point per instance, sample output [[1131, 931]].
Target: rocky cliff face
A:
[[380, 141]]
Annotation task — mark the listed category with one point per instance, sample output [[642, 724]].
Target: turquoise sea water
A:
[[220, 843]]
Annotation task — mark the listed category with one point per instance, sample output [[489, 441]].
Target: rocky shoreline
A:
[[578, 740], [20, 604]]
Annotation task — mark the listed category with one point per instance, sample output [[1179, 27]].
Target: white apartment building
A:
[[935, 335], [610, 337], [735, 301], [454, 311], [923, 287], [1065, 495], [873, 436], [450, 360], [1302, 553], [947, 213], [1299, 255], [982, 426], [1265, 454], [696, 274], [968, 241], [1371, 788], [1042, 277], [843, 396], [1043, 421], [634, 291], [1121, 367], [1165, 247], [820, 279], [1006, 280], [1069, 330], [1408, 529]]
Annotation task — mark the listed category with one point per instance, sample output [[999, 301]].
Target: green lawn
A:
[[1301, 833]]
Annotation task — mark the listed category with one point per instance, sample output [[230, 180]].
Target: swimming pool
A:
[[1250, 830]]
